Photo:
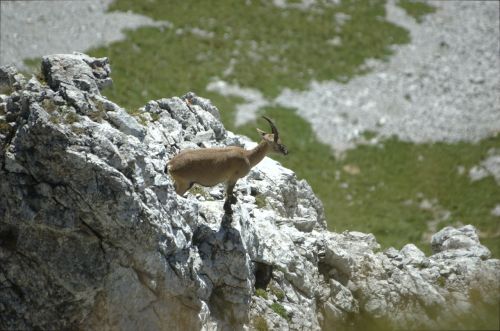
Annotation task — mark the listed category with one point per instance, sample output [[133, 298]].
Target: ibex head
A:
[[273, 139]]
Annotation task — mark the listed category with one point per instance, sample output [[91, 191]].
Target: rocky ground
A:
[[93, 236], [31, 29], [442, 87]]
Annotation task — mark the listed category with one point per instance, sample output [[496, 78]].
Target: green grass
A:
[[197, 189], [280, 295], [261, 293], [271, 47], [259, 323], [280, 310], [260, 201], [416, 9]]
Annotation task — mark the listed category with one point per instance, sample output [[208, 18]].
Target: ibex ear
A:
[[262, 133]]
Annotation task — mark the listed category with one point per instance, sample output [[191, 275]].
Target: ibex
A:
[[211, 166]]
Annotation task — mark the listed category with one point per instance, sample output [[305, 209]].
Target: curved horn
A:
[[273, 128]]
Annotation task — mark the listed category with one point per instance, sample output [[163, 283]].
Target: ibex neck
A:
[[258, 153]]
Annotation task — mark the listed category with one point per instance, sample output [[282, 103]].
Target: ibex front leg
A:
[[230, 198]]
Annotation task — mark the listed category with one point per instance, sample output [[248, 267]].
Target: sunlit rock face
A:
[[93, 235]]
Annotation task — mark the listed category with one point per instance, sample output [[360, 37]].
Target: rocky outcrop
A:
[[93, 236]]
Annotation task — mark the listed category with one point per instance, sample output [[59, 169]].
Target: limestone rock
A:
[[93, 235]]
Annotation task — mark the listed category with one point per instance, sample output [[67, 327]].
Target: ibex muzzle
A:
[[211, 166]]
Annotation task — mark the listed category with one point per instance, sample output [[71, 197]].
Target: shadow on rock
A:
[[226, 263]]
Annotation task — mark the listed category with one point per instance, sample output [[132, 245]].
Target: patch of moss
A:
[[55, 118], [197, 189], [142, 120], [259, 323], [261, 293], [280, 310], [96, 116], [49, 105], [134, 112], [416, 9], [155, 116], [78, 130], [260, 201], [71, 118], [280, 295], [99, 113], [138, 114]]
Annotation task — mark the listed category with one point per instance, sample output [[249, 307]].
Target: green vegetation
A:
[[260, 292], [268, 48], [416, 9], [197, 189], [280, 295], [55, 118], [255, 44], [280, 310], [260, 201], [100, 112], [49, 105], [155, 117], [59, 114], [77, 130], [72, 117], [35, 68], [441, 281], [260, 324]]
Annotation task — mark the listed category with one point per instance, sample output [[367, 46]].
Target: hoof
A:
[[227, 208]]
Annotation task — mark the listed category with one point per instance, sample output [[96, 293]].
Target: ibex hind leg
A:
[[230, 199], [228, 210], [230, 194]]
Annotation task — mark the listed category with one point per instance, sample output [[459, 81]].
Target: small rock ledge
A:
[[93, 236]]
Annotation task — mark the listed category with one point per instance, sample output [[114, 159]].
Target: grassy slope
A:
[[275, 48]]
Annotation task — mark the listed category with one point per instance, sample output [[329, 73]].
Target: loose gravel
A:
[[30, 29], [443, 86]]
